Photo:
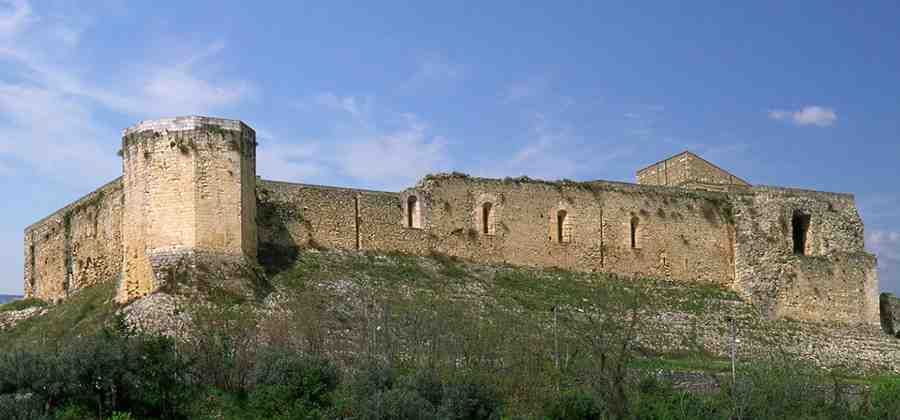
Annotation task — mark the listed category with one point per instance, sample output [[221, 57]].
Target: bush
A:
[[886, 401], [18, 305], [469, 399], [73, 412], [20, 407], [575, 405], [291, 385]]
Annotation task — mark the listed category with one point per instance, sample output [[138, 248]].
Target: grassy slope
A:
[[353, 303], [508, 298], [84, 313]]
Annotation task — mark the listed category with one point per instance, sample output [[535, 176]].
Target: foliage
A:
[[18, 305], [366, 336]]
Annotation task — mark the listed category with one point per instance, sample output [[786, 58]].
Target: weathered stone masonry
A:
[[190, 187]]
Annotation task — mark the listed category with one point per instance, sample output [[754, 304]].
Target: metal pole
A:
[[556, 334], [733, 349]]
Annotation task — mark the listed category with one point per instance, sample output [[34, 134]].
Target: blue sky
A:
[[801, 94]]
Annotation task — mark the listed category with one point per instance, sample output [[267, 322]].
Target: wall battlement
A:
[[189, 187]]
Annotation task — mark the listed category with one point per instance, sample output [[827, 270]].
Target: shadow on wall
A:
[[277, 248]]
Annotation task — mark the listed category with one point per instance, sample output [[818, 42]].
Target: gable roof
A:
[[695, 156]]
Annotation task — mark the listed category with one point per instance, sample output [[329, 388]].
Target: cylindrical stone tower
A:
[[190, 198]]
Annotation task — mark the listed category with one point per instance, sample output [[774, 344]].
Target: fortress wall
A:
[[383, 225], [294, 216], [834, 279], [298, 215], [681, 234], [76, 247], [185, 192]]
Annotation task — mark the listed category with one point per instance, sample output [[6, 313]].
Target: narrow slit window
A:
[[562, 226], [487, 219], [633, 231], [800, 228], [412, 212]]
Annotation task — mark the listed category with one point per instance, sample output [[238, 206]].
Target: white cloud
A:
[[886, 246], [525, 89], [808, 115], [554, 150], [433, 69], [55, 134], [392, 154], [397, 157], [48, 117], [435, 66], [356, 107], [14, 16]]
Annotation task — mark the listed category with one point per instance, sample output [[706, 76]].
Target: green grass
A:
[[462, 300], [18, 305], [82, 314], [689, 363]]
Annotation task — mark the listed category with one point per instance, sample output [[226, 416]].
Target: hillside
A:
[[344, 295], [528, 332]]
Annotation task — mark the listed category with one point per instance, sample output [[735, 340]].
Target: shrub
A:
[[73, 412], [469, 399], [575, 405], [18, 305], [291, 385], [886, 401], [20, 407]]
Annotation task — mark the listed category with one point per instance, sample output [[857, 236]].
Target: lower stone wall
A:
[[890, 314], [293, 216], [75, 247], [829, 278]]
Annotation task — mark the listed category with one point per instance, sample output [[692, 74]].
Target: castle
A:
[[189, 192]]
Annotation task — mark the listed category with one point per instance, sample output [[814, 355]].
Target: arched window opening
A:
[[800, 228], [487, 219], [413, 219], [563, 232], [634, 232]]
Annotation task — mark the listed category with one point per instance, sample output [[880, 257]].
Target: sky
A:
[[375, 95]]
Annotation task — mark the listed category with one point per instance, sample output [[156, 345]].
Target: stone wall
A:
[[890, 314], [679, 234], [831, 278], [741, 239], [76, 247], [293, 216], [189, 188], [189, 185]]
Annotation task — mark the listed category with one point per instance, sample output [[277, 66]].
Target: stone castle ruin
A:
[[189, 193]]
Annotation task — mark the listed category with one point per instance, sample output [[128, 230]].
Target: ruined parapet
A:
[[799, 254], [890, 314], [189, 188], [76, 247]]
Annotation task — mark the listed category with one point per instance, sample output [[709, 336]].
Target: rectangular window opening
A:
[[800, 228]]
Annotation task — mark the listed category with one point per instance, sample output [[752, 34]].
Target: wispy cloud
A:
[[356, 107], [49, 105], [554, 149], [54, 134], [519, 90], [14, 16], [376, 148], [886, 245], [808, 115], [433, 69]]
